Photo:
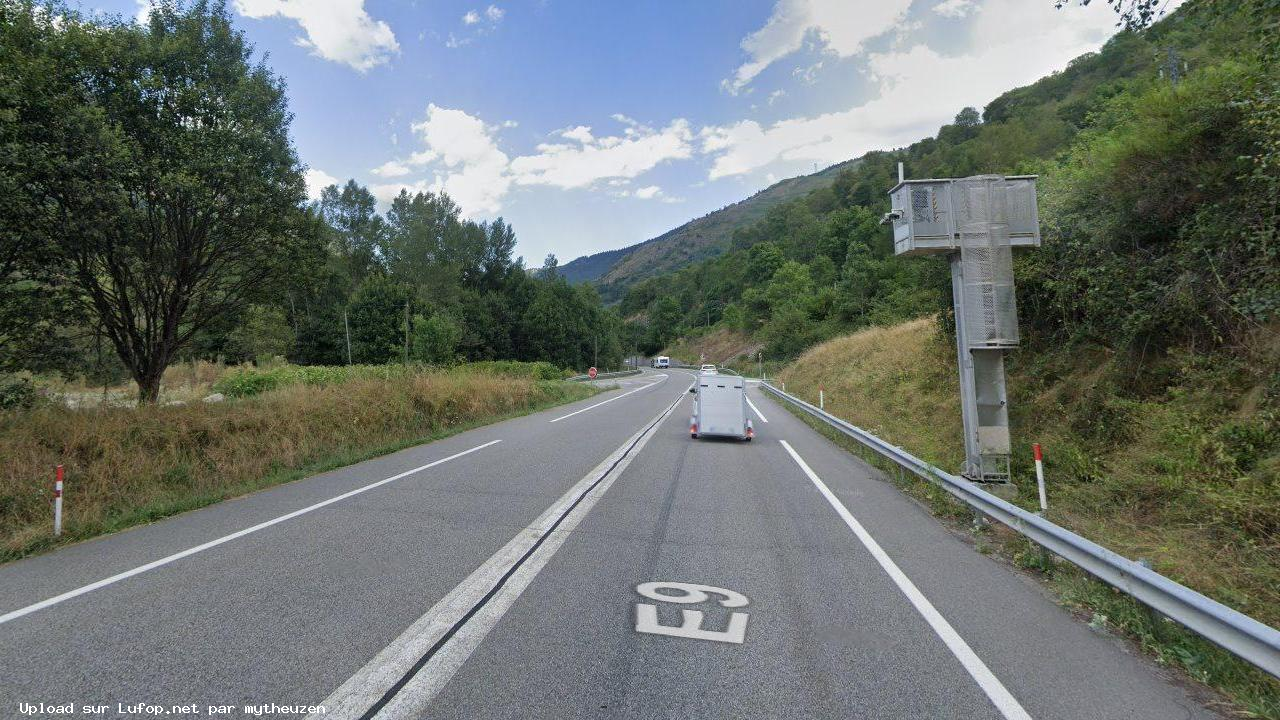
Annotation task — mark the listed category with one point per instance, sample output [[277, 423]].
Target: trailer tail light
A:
[[751, 432], [693, 428]]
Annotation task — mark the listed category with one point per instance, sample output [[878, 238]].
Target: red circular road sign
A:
[[591, 373]]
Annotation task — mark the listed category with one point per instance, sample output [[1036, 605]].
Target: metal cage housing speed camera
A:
[[927, 214], [976, 222]]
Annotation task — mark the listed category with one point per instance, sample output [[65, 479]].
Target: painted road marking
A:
[[615, 397], [403, 679], [691, 620], [757, 411], [225, 539], [990, 684]]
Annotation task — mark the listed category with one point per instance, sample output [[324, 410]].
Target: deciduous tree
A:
[[187, 202]]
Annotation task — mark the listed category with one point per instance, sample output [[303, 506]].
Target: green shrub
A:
[[16, 392], [536, 370], [253, 381], [1245, 442]]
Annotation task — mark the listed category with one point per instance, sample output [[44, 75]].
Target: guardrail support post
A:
[[1153, 615], [57, 502], [1044, 501]]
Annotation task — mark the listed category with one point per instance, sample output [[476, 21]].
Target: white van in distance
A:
[[662, 361]]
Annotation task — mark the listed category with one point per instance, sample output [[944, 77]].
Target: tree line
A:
[[153, 208], [422, 284]]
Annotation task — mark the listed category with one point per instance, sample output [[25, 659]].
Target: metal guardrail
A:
[[1234, 631], [604, 376]]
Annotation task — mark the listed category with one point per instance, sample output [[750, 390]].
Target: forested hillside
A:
[[615, 271], [1157, 194]]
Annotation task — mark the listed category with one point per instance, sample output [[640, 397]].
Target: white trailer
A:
[[720, 408]]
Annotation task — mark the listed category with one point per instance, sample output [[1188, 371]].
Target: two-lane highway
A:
[[587, 561]]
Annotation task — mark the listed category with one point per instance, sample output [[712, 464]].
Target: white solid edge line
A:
[[757, 411], [224, 539], [363, 689], [990, 684], [615, 397]]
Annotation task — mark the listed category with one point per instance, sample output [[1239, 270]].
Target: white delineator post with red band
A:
[[57, 502], [1044, 502]]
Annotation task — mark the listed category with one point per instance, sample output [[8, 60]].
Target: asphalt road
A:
[[587, 561]]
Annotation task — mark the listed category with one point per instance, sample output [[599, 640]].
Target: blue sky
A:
[[591, 126]]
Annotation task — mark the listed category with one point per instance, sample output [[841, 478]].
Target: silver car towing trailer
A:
[[720, 407]]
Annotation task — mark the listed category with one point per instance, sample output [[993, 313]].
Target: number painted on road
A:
[[691, 620]]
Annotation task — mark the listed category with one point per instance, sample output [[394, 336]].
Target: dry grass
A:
[[898, 382], [126, 465], [1130, 474], [183, 382], [730, 348], [1143, 475]]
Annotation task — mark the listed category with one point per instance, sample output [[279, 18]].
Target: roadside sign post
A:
[[976, 222]]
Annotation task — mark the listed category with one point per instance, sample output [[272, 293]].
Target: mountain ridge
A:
[[613, 271]]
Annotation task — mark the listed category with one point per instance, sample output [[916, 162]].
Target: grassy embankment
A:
[[127, 466], [1186, 475], [721, 346]]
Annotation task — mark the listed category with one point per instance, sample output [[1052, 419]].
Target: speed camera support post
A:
[[976, 222]]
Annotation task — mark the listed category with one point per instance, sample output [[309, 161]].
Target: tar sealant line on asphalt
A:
[[403, 679], [14, 615], [615, 397], [999, 695], [757, 411]]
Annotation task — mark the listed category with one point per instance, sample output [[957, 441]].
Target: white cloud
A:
[[392, 168], [462, 153], [1012, 43], [576, 166], [776, 95], [493, 14], [387, 192], [318, 180], [902, 34], [422, 157], [337, 30], [581, 133], [808, 75], [474, 169], [954, 8], [839, 26]]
